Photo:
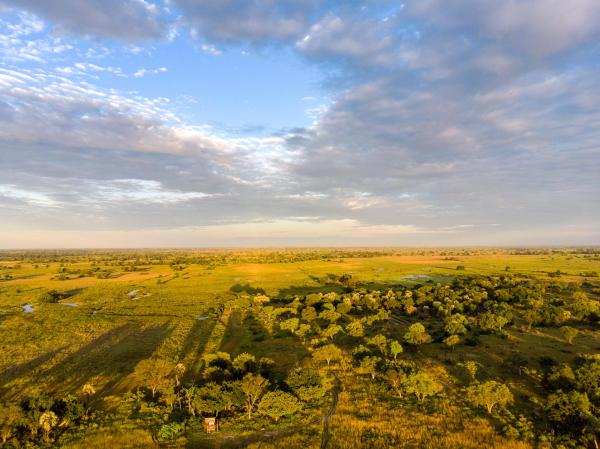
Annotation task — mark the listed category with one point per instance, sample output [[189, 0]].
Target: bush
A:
[[50, 297], [171, 431], [276, 404]]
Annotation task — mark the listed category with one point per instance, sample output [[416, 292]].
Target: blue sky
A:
[[306, 122]]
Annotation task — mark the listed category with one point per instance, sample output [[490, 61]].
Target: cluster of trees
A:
[[573, 402], [357, 332], [42, 418], [226, 387], [378, 336]]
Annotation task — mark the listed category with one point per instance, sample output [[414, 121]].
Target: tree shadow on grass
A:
[[246, 288], [193, 346], [107, 359], [286, 350], [26, 368], [302, 290], [233, 333]]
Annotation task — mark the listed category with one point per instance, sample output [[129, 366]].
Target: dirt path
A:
[[334, 400]]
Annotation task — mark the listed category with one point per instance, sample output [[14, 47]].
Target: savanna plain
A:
[[301, 348]]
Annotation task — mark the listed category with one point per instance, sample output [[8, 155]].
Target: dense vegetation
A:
[[395, 348]]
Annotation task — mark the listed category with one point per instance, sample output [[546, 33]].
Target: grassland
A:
[[119, 308]]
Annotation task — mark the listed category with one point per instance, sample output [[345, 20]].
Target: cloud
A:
[[440, 118], [20, 40], [248, 21], [119, 19], [514, 152], [55, 109], [143, 72], [284, 232], [211, 50], [28, 197], [539, 28], [360, 41]]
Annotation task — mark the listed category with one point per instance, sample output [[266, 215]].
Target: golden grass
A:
[[376, 426], [112, 438]]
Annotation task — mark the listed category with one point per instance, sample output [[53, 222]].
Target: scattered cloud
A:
[[440, 122], [143, 72], [254, 21], [119, 19], [211, 50]]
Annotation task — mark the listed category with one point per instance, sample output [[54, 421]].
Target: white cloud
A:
[[211, 50], [140, 191], [29, 197], [124, 19], [143, 72]]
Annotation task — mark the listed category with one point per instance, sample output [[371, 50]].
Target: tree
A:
[[252, 385], [48, 421], [416, 335], [290, 324], [489, 394], [303, 331], [168, 394], [397, 380], [50, 297], [306, 383], [343, 307], [421, 385], [588, 377], [309, 314], [190, 395], [88, 390], [491, 321], [210, 399], [179, 370], [451, 341], [456, 325], [232, 395], [395, 348], [370, 365], [380, 342], [569, 333], [171, 431], [530, 316], [276, 404], [583, 307], [327, 353], [345, 279], [244, 362], [11, 416], [330, 315], [471, 366], [570, 410], [332, 330], [153, 373], [355, 329]]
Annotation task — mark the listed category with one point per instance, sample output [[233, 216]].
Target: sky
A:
[[203, 123]]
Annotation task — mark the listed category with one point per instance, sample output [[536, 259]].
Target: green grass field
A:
[[117, 309]]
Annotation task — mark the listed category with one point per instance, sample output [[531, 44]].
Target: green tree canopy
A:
[[276, 404], [252, 385], [417, 335], [489, 394]]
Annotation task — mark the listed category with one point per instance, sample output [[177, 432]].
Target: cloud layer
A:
[[469, 122]]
